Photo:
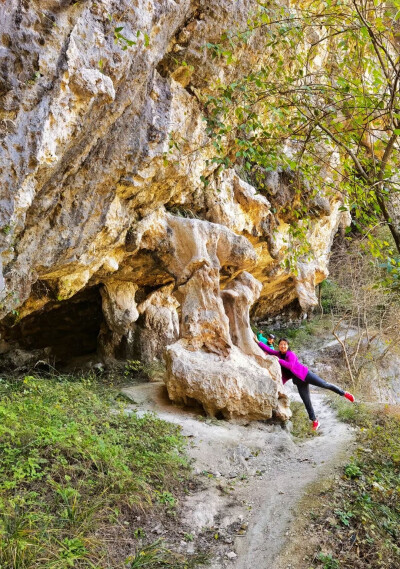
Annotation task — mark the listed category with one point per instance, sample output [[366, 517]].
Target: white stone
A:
[[235, 386]]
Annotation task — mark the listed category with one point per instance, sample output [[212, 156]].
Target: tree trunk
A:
[[390, 207]]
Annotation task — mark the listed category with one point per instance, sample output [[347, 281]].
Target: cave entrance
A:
[[67, 329]]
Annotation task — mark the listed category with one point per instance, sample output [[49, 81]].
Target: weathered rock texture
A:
[[159, 325], [103, 157], [234, 388], [120, 312]]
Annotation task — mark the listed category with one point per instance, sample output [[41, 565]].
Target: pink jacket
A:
[[290, 365]]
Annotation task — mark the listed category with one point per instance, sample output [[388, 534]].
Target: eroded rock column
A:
[[120, 313], [205, 365], [238, 297], [205, 325], [158, 325]]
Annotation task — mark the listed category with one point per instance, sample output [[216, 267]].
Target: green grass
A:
[[300, 421], [357, 414], [303, 336], [157, 556], [361, 528], [75, 467]]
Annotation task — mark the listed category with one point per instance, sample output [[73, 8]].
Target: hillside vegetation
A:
[[359, 529], [76, 471]]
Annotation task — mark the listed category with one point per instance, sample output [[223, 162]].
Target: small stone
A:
[[231, 555], [190, 548]]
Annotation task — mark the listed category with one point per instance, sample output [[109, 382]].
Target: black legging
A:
[[304, 390]]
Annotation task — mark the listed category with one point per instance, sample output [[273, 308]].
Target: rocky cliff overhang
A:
[[104, 215]]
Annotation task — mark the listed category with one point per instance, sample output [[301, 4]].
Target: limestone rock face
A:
[[112, 211], [237, 205], [119, 305], [236, 380], [196, 252], [238, 296], [97, 133], [204, 322]]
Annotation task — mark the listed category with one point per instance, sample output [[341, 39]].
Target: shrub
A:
[[328, 561], [334, 297], [352, 471], [367, 500]]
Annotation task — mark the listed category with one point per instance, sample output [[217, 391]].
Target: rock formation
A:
[[159, 324], [233, 388], [120, 312], [114, 219]]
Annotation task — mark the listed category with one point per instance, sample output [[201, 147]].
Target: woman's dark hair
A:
[[283, 340]]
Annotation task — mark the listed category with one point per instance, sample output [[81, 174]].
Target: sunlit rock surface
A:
[[235, 387], [115, 224], [120, 312], [159, 324]]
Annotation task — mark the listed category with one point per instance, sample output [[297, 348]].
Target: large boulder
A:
[[235, 387]]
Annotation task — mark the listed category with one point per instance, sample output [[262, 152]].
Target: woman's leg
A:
[[314, 379], [304, 392]]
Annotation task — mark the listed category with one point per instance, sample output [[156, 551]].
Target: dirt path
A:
[[278, 496], [252, 478]]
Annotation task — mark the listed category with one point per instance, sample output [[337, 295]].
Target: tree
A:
[[365, 315], [324, 102]]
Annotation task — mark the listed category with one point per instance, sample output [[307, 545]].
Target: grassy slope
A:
[[75, 469], [360, 528]]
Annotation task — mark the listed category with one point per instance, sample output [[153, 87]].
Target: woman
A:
[[268, 341], [302, 377]]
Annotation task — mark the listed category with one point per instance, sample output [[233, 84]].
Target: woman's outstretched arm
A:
[[268, 350]]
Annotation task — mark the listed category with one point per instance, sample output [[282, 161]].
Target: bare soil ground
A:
[[252, 482]]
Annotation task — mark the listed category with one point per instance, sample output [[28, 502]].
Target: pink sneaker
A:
[[349, 396], [315, 425]]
